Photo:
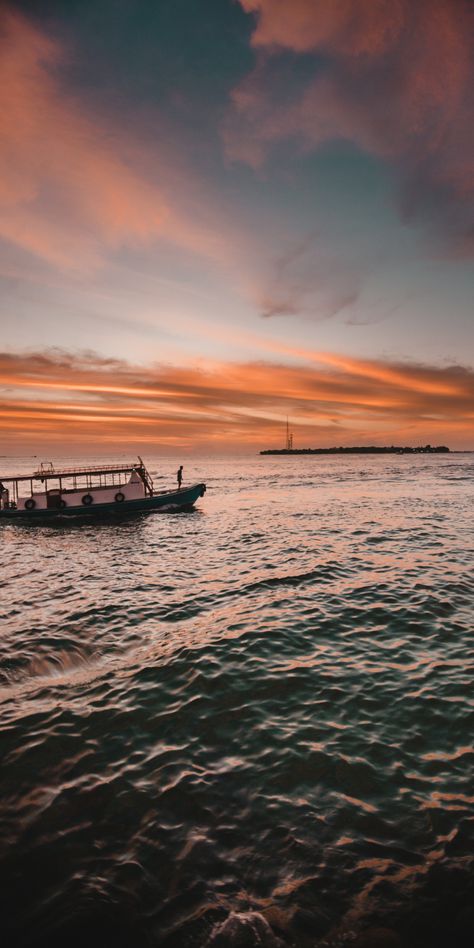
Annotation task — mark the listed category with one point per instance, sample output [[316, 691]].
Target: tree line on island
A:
[[363, 449]]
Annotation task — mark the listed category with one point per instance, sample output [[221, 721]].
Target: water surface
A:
[[263, 706]]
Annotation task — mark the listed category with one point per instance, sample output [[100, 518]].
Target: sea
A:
[[248, 724]]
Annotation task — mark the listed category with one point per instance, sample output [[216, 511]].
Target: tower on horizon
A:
[[289, 437]]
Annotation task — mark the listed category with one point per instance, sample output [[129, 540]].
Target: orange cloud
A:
[[62, 400], [394, 77], [72, 188]]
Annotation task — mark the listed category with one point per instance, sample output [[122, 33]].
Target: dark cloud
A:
[[394, 77], [278, 307], [310, 280]]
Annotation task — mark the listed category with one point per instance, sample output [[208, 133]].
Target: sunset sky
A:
[[215, 214]]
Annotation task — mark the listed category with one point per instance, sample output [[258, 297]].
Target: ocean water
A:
[[251, 724]]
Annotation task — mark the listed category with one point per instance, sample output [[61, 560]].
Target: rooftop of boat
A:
[[47, 472]]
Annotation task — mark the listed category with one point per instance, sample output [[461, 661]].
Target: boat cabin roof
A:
[[49, 472]]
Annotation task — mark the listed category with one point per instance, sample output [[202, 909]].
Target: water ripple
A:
[[254, 723]]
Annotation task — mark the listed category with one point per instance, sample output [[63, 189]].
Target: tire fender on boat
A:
[[30, 504], [62, 503], [119, 497], [87, 500]]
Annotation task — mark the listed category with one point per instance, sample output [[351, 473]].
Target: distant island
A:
[[371, 449]]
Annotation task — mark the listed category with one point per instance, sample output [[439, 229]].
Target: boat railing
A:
[[91, 474], [53, 472], [147, 481]]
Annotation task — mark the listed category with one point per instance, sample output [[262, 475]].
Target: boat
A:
[[89, 491]]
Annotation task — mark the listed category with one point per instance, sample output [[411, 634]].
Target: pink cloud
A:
[[393, 77], [367, 27], [72, 187]]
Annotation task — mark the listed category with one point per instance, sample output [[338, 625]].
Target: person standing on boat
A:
[[4, 495], [179, 476]]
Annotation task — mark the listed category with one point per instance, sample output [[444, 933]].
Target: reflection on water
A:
[[247, 725]]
